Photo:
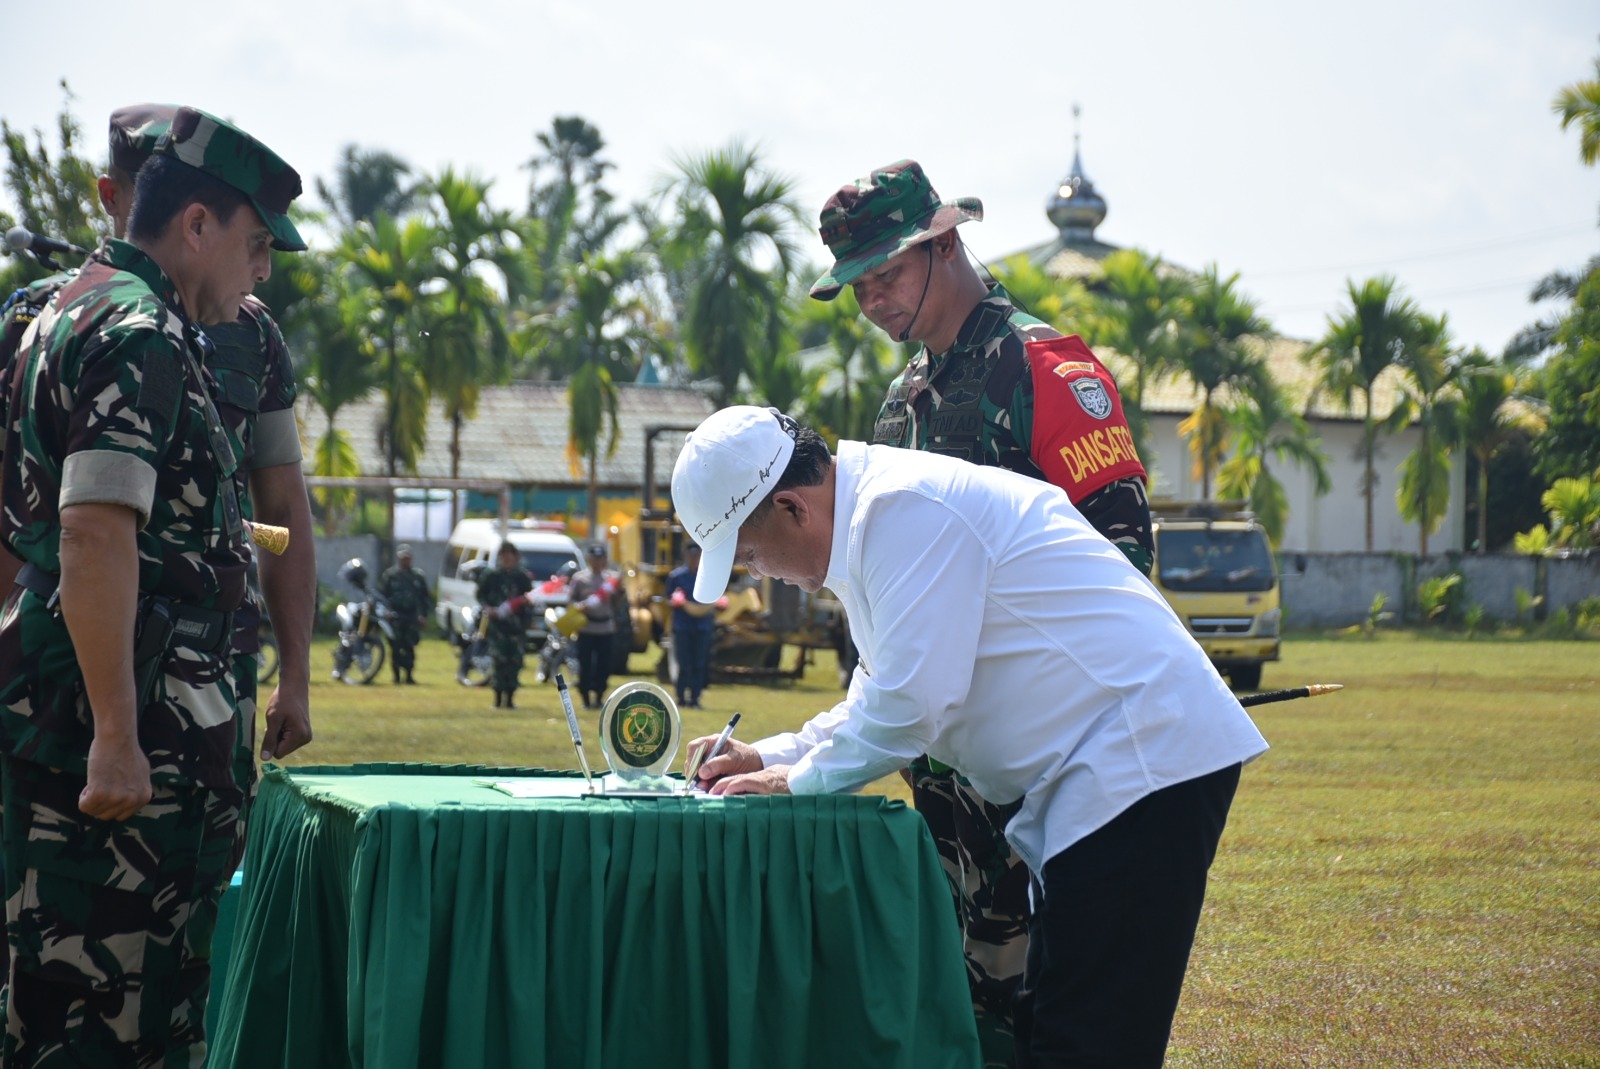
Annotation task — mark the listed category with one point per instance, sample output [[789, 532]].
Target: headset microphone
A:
[[905, 335]]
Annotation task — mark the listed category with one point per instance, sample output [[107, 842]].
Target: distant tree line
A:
[[420, 288]]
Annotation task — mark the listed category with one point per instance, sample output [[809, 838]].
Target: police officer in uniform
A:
[[121, 485], [992, 385], [410, 601], [502, 592]]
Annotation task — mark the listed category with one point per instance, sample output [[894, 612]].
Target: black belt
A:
[[202, 630]]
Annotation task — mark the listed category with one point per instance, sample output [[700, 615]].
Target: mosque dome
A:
[[1075, 207]]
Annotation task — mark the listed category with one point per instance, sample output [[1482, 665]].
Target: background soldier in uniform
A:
[[508, 624], [406, 590], [121, 487], [995, 386]]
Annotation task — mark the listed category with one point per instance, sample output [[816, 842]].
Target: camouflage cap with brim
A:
[[230, 155], [874, 219], [134, 132]]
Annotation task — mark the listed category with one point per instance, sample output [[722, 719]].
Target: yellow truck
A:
[[1215, 567]]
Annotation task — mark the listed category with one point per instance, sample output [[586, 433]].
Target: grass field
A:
[[1410, 877]]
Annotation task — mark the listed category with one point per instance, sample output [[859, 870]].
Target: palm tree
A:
[[844, 399], [1429, 401], [367, 183], [1487, 421], [468, 345], [1063, 303], [1266, 426], [1360, 345], [598, 339], [396, 261], [1222, 321], [1142, 314], [335, 368], [571, 205], [742, 221], [1579, 104]]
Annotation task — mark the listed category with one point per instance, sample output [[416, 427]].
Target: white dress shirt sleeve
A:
[[923, 577]]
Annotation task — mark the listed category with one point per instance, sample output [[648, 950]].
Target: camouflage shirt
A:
[[255, 385], [975, 401], [106, 408], [406, 590], [255, 395]]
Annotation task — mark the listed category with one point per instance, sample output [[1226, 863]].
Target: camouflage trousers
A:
[[507, 650], [407, 633], [110, 923], [990, 886]]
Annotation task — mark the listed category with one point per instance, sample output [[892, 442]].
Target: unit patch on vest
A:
[[1081, 443], [1091, 394]]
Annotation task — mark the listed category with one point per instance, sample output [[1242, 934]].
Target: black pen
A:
[[706, 753]]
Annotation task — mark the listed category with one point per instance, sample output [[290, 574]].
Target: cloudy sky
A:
[[1297, 144]]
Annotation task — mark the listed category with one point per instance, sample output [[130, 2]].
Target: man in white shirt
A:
[[1002, 635]]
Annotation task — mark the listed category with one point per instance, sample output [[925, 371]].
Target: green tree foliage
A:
[[467, 344], [1429, 400], [1574, 506], [1219, 352], [1488, 421], [54, 190], [368, 183], [397, 260], [575, 215], [1374, 334], [741, 223], [843, 399], [599, 338], [1267, 428], [1570, 384], [1142, 312], [1579, 105]]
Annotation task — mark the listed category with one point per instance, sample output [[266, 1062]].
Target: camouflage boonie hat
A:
[[228, 154], [135, 130], [876, 218]]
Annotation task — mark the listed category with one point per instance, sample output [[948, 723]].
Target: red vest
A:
[[1080, 436]]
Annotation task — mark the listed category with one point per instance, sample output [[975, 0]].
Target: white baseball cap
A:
[[729, 464]]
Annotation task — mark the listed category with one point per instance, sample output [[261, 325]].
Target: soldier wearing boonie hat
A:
[[992, 385], [123, 490]]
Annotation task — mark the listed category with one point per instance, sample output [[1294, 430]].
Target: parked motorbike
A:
[[559, 652], [366, 630]]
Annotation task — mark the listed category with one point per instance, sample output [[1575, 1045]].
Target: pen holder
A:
[[640, 730]]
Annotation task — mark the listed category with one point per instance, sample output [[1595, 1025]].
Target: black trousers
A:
[[1109, 941], [594, 665]]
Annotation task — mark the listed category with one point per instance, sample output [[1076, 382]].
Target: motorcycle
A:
[[559, 652], [366, 630]]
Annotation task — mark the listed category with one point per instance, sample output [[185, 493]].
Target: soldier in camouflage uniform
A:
[[120, 491], [995, 386], [501, 591], [257, 392], [410, 600]]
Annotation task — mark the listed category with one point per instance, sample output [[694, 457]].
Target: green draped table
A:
[[404, 915]]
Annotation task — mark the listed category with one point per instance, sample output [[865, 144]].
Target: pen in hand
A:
[[705, 754]]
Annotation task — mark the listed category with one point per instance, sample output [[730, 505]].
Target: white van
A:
[[545, 549]]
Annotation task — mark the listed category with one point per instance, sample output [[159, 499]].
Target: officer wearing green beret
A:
[[121, 491]]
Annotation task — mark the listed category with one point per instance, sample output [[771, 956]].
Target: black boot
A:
[[497, 697], [509, 703], [409, 677]]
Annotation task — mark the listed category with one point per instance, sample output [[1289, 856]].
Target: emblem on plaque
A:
[[639, 733]]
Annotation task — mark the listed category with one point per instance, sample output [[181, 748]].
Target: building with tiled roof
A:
[[520, 436]]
